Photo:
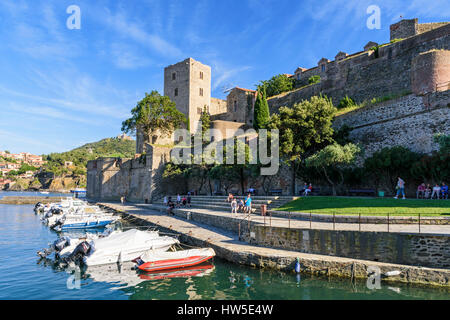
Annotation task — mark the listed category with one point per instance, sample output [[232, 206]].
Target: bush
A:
[[314, 79], [346, 102]]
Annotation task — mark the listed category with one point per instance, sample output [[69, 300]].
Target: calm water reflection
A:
[[24, 276]]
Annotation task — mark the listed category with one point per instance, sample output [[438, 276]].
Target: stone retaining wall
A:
[[410, 249]]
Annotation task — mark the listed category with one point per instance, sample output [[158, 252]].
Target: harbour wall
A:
[[278, 259], [400, 248]]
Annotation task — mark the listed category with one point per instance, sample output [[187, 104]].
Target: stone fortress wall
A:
[[416, 69]]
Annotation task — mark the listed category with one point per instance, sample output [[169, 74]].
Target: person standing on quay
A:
[[248, 204], [400, 188]]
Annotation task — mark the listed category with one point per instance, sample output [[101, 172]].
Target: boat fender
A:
[[297, 266], [392, 273]]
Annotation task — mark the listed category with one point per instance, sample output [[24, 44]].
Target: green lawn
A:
[[368, 206]]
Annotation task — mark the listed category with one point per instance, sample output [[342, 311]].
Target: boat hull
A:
[[173, 263]]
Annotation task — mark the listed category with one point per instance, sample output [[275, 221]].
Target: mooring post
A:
[[334, 220], [271, 219], [419, 222], [310, 220], [388, 221], [289, 220]]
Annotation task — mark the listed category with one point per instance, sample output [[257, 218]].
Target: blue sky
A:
[[61, 88]]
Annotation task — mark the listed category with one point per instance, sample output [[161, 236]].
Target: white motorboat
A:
[[83, 221], [121, 247], [74, 242]]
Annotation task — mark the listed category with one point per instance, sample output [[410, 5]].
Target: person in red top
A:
[[421, 190]]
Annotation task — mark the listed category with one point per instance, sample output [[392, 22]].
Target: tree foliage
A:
[[334, 157], [153, 114], [277, 84], [391, 163], [304, 129], [261, 116]]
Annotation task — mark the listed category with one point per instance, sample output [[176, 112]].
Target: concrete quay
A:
[[228, 245]]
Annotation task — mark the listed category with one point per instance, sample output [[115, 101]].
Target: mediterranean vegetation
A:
[[277, 84], [74, 162], [154, 115]]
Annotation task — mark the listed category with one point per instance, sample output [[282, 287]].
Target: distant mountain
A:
[[75, 161]]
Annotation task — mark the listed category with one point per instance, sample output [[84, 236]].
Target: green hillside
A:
[[110, 147]]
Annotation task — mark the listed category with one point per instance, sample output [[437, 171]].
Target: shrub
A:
[[346, 102], [314, 79]]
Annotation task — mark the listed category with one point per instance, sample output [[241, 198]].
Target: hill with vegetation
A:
[[57, 163]]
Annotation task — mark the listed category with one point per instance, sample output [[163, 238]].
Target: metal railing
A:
[[358, 222]]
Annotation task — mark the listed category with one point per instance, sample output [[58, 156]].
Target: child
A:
[[234, 207]]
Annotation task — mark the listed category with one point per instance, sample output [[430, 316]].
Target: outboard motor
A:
[[61, 243], [81, 250], [57, 224], [36, 207]]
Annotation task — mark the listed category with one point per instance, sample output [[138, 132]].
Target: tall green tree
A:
[[304, 128], [277, 84], [205, 118], [390, 163], [334, 158], [261, 116], [154, 114]]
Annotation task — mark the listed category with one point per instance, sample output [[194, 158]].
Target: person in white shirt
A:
[[400, 188], [436, 191], [234, 207]]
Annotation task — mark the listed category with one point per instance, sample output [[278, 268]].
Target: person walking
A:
[[400, 188], [189, 199], [165, 201]]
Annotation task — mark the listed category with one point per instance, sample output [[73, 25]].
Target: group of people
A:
[[184, 201], [240, 205], [439, 191], [306, 189]]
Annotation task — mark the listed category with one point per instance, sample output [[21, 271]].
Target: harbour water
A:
[[24, 276]]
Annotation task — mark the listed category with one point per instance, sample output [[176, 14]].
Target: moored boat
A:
[[121, 247], [158, 260]]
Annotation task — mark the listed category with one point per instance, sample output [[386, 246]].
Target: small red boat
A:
[[157, 260], [196, 271]]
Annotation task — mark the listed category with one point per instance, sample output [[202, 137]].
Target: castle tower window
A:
[[176, 92], [199, 111], [174, 76], [201, 92], [323, 68], [201, 75], [235, 106]]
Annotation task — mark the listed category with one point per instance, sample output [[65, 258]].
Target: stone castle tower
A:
[[188, 84]]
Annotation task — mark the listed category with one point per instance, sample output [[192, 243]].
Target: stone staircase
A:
[[220, 203]]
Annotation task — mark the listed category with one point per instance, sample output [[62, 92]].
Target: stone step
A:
[[224, 198], [214, 206], [226, 205]]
